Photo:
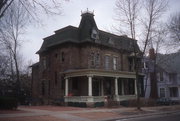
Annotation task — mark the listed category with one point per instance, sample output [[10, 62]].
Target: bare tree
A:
[[33, 7], [13, 26], [127, 13], [174, 28], [152, 11]]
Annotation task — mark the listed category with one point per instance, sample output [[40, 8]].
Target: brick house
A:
[[85, 64]]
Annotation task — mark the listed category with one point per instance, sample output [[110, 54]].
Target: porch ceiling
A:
[[98, 72]]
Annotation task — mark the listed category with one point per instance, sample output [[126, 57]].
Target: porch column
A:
[[116, 86], [66, 87], [135, 86], [102, 88], [89, 85], [122, 87]]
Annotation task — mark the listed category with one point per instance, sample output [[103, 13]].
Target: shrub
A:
[[99, 104], [77, 104], [8, 103], [143, 102]]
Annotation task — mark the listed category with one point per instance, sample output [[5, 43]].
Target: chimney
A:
[[152, 54]]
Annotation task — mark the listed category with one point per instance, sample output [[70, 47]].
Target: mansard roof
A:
[[83, 33]]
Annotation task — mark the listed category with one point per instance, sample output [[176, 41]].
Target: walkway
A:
[[56, 113]]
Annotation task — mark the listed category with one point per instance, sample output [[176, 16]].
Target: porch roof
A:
[[99, 72]]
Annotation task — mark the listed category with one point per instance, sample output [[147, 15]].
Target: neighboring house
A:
[[85, 64], [168, 78]]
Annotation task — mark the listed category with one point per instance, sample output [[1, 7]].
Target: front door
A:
[[96, 87]]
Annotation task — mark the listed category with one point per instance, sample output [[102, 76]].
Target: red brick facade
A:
[[55, 61]]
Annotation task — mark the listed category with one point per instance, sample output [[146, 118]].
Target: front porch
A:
[[90, 86]]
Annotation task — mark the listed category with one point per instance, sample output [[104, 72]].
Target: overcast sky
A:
[[104, 13]]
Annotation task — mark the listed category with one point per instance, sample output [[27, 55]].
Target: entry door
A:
[[96, 87], [108, 87]]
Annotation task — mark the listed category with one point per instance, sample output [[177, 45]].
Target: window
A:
[[62, 83], [173, 77], [44, 64], [173, 91], [92, 59], [162, 92], [97, 60], [115, 63], [107, 62], [158, 76], [161, 76], [43, 88], [131, 66], [62, 56], [94, 34], [49, 87], [55, 78]]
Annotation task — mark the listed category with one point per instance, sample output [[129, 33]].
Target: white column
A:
[[135, 86], [116, 86], [122, 87], [89, 85], [102, 88], [66, 87]]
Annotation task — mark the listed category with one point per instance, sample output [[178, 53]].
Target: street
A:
[[164, 117]]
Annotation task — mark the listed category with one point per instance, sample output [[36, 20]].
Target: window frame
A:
[[115, 61], [107, 62], [162, 92]]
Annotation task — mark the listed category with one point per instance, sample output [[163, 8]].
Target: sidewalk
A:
[[57, 113]]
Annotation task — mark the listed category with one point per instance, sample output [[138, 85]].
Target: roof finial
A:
[[87, 11]]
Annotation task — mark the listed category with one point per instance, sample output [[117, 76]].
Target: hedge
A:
[[8, 103]]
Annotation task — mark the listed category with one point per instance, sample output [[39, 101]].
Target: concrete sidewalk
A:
[[56, 113]]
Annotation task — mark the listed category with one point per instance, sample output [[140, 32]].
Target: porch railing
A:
[[97, 98], [85, 98]]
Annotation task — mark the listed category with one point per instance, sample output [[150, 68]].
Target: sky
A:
[[71, 15]]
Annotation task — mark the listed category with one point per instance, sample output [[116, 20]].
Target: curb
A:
[[140, 115]]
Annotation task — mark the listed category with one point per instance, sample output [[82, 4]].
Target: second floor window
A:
[[62, 56], [131, 65], [95, 59], [92, 59], [55, 78], [44, 64], [107, 62], [115, 63], [161, 76]]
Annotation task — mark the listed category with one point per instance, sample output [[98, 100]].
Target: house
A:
[[85, 65], [168, 78]]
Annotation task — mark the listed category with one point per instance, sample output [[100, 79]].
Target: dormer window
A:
[[110, 41], [94, 34]]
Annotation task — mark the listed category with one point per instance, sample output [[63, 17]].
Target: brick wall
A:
[[75, 57]]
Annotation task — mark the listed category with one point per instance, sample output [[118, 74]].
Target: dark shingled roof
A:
[[83, 34]]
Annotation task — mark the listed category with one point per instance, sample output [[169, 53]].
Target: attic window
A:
[[94, 34], [110, 41]]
